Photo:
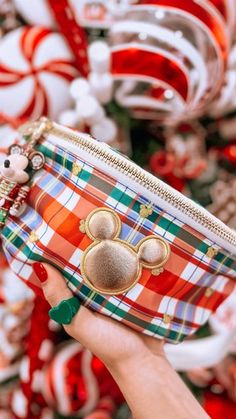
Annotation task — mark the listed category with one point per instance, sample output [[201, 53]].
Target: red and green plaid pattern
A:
[[172, 305]]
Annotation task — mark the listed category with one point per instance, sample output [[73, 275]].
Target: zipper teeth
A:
[[153, 185]]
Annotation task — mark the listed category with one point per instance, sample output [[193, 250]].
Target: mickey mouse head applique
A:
[[111, 265]]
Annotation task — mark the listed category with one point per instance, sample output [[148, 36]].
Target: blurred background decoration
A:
[[155, 79]]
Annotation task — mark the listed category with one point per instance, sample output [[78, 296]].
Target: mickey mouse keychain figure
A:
[[15, 173]]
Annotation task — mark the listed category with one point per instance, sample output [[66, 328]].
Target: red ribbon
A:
[[72, 31]]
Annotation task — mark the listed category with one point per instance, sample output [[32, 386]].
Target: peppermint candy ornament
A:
[[36, 68]]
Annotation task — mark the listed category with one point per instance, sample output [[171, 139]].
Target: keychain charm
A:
[[15, 173]]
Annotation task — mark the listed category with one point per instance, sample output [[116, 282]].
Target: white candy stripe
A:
[[135, 101], [58, 372], [39, 99], [231, 14], [15, 98], [35, 11]]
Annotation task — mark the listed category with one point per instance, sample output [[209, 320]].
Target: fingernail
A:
[[40, 271]]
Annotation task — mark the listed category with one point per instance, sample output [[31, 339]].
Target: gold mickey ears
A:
[[103, 224], [153, 252], [111, 265]]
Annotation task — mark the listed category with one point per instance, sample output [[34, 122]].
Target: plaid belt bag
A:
[[129, 246]]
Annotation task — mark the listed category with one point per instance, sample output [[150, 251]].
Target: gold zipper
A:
[[140, 176]]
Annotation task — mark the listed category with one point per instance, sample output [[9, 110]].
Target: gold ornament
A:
[[211, 252], [76, 169], [209, 292], [157, 271], [145, 210], [167, 318], [82, 226]]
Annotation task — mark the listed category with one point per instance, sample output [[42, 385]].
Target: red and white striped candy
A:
[[167, 44], [36, 67]]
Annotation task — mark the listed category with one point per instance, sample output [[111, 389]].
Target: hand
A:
[[106, 338], [151, 387]]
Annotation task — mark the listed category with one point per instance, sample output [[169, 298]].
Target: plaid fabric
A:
[[172, 305]]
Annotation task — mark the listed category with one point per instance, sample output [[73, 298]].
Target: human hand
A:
[[137, 362], [106, 338]]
